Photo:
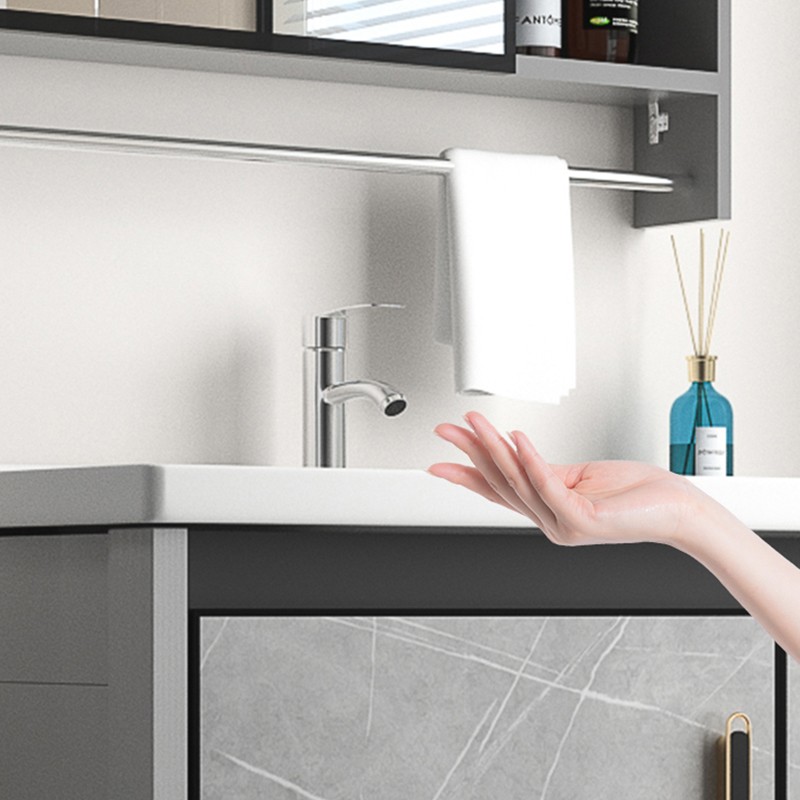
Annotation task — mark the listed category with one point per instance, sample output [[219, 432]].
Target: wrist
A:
[[708, 529]]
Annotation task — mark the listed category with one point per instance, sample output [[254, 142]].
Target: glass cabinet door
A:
[[470, 34], [467, 25], [232, 14]]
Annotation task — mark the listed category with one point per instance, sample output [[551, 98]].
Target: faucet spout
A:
[[390, 401]]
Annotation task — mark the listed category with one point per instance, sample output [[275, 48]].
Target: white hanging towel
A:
[[504, 293]]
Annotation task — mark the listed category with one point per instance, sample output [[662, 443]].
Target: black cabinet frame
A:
[[263, 39]]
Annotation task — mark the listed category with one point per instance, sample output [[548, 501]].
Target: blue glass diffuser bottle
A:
[[701, 425], [701, 420]]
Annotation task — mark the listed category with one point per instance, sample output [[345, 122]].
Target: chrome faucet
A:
[[326, 391]]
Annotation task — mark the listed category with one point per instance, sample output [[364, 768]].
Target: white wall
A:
[[757, 335], [152, 308]]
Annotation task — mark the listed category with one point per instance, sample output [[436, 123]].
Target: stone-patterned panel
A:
[[439, 708], [793, 732]]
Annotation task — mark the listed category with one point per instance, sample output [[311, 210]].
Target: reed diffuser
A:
[[701, 419]]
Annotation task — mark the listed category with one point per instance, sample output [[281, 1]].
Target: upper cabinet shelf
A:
[[608, 84], [535, 77], [684, 64]]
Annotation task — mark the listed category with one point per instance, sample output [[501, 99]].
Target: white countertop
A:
[[235, 495]]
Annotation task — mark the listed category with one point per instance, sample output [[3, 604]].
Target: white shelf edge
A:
[[621, 76]]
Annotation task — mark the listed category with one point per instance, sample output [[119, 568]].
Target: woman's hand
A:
[[625, 501], [590, 503]]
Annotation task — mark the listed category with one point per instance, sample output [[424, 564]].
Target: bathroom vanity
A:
[[286, 633]]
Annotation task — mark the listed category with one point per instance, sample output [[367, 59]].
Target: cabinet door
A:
[[477, 706]]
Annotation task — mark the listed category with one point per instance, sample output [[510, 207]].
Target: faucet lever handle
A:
[[342, 312], [328, 330]]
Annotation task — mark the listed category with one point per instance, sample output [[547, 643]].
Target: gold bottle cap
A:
[[702, 368]]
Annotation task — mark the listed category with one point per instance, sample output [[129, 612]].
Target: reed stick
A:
[[705, 321], [715, 300], [714, 289], [701, 293], [683, 292]]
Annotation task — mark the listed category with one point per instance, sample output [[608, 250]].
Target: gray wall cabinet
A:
[[684, 64]]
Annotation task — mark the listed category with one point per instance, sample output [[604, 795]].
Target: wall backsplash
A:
[[457, 707], [153, 307]]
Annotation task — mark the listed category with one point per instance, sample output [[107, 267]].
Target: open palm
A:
[[587, 503]]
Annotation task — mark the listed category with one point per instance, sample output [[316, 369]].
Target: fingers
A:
[[469, 478], [549, 485], [541, 476], [508, 465], [472, 446]]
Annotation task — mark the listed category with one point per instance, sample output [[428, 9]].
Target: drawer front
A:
[[493, 706], [53, 609]]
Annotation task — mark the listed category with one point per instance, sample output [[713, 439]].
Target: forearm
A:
[[766, 584]]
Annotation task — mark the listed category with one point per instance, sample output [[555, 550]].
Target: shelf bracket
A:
[[658, 122]]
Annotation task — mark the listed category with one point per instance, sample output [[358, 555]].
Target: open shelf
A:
[[608, 84], [535, 78]]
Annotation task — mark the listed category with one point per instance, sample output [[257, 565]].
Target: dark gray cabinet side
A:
[[53, 667]]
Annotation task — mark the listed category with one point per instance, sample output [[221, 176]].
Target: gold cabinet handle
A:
[[737, 772]]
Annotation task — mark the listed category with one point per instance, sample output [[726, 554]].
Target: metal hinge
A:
[[658, 122]]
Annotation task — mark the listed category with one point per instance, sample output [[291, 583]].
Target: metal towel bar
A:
[[248, 151]]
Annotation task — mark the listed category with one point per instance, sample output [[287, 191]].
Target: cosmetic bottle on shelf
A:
[[539, 27], [601, 30], [701, 425]]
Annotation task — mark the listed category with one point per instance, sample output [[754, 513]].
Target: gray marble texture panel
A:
[[507, 708], [793, 732]]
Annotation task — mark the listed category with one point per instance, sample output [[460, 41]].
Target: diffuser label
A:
[[710, 451], [614, 14], [539, 23]]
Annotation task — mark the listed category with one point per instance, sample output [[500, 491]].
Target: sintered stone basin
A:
[[184, 494]]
